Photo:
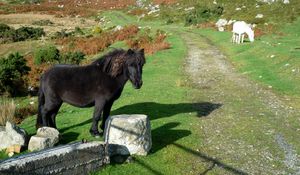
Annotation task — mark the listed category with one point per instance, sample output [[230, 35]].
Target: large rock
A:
[[128, 134], [49, 132], [221, 22], [12, 135], [37, 143], [46, 137]]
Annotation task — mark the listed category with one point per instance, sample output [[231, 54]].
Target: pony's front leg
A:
[[96, 117], [106, 112]]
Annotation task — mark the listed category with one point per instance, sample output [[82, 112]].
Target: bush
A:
[[24, 33], [72, 57], [203, 14], [78, 31], [9, 34], [42, 22], [12, 70], [47, 54], [24, 1], [62, 34], [97, 30], [7, 111]]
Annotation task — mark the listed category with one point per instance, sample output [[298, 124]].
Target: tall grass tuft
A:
[[7, 111]]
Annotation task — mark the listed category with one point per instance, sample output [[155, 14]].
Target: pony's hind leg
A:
[[50, 110], [53, 113]]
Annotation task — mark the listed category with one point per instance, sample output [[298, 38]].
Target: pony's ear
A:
[[142, 50], [130, 51]]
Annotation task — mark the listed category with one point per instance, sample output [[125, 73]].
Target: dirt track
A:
[[253, 127]]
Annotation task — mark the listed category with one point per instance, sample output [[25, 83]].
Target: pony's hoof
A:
[[95, 134]]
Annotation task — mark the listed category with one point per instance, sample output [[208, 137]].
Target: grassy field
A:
[[272, 59]]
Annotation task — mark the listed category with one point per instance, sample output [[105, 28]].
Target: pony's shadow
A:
[[158, 110]]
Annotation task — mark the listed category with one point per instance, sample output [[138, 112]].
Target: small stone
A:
[[10, 154], [259, 16], [17, 148], [10, 149]]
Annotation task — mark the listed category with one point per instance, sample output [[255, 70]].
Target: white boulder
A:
[[46, 137], [37, 143], [128, 134], [220, 24], [49, 132], [12, 135]]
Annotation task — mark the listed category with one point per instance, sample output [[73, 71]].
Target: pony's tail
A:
[[41, 102]]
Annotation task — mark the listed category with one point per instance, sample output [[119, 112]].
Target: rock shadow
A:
[[166, 135], [68, 137]]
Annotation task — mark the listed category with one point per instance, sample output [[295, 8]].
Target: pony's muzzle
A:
[[138, 84]]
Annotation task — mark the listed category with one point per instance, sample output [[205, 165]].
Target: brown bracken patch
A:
[[151, 45], [93, 45], [36, 71]]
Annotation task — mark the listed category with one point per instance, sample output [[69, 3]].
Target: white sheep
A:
[[239, 30]]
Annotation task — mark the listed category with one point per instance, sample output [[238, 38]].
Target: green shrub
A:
[[12, 69], [42, 22], [47, 54], [78, 31], [62, 34], [24, 1], [72, 57], [9, 34], [97, 30], [202, 14], [24, 33]]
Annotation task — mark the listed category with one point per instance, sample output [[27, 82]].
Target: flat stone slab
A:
[[72, 159]]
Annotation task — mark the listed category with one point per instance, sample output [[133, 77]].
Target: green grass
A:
[[272, 59]]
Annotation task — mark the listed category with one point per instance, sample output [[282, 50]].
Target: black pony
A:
[[98, 84]]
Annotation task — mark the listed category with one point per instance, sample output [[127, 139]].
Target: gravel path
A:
[[246, 132]]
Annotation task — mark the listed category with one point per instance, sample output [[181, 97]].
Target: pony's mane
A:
[[112, 62]]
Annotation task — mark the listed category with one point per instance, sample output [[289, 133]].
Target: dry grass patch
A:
[[7, 111]]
